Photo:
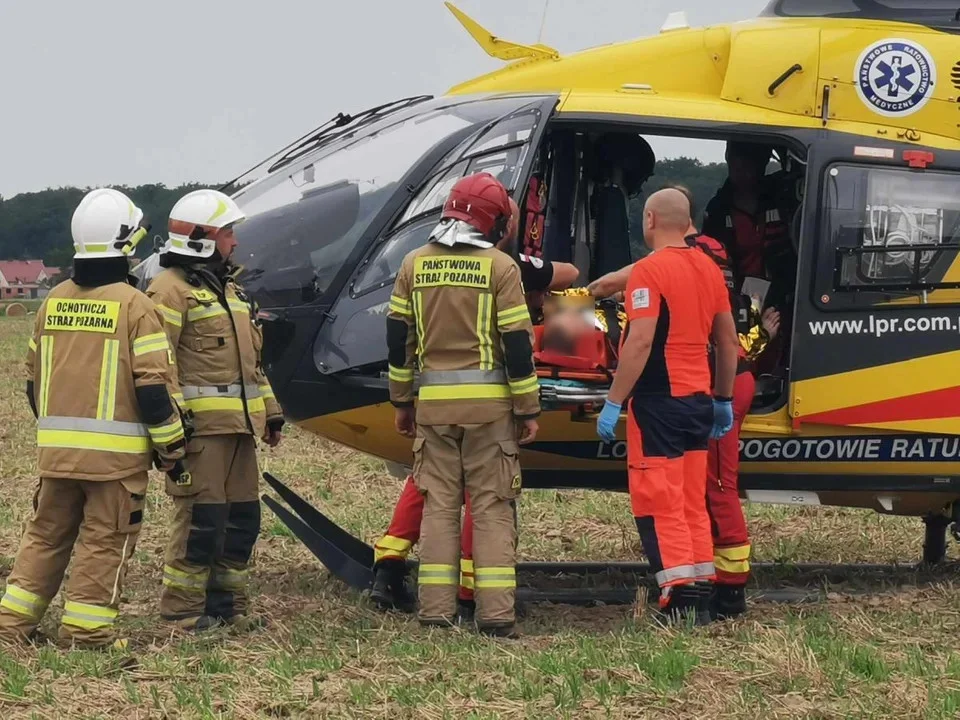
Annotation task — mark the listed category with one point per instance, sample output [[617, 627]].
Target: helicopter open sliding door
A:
[[876, 340]]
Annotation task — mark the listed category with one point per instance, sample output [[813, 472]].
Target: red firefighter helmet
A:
[[482, 202], [714, 250]]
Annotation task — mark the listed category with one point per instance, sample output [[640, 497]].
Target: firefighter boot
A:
[[704, 598], [728, 601], [466, 609], [506, 632], [389, 590], [195, 624], [681, 607]]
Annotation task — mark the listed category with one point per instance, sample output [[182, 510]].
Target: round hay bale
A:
[[15, 310]]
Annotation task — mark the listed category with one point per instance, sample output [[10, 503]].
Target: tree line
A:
[[37, 225]]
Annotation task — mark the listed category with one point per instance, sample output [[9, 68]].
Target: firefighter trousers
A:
[[96, 522], [404, 532], [484, 461], [667, 469], [215, 526], [731, 553]]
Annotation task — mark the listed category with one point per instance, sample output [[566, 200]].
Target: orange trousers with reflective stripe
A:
[[668, 499], [405, 524]]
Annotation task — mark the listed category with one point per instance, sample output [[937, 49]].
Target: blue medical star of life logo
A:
[[895, 77]]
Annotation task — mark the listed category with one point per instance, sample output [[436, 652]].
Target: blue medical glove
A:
[[607, 422], [722, 417]]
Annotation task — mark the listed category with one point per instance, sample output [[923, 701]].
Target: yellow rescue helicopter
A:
[[860, 99]]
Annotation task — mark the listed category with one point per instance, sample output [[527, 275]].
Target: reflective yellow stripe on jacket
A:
[[418, 319], [166, 434], [401, 306], [46, 367], [107, 399], [205, 311], [90, 434], [170, 315], [508, 317], [484, 338], [157, 342], [463, 385], [210, 398]]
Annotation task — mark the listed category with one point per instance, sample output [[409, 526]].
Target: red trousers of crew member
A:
[[667, 466], [404, 532], [731, 554]]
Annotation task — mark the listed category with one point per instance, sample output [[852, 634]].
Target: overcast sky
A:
[[130, 91]]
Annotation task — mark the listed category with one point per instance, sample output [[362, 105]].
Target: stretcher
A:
[[580, 380]]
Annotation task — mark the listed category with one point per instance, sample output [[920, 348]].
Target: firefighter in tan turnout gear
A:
[[98, 365], [219, 383], [458, 313]]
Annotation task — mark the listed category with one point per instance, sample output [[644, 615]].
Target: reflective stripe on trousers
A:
[[489, 578], [191, 582], [390, 547], [88, 617], [23, 602], [228, 579], [677, 575], [467, 573], [438, 575], [705, 571], [734, 560]]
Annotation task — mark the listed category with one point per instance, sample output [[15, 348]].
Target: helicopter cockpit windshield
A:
[[308, 215]]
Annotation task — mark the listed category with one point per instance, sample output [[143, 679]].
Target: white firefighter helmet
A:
[[104, 224], [194, 221]]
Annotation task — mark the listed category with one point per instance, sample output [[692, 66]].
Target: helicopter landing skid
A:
[[347, 557], [350, 560]]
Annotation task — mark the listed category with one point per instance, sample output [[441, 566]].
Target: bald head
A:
[[666, 218], [670, 208]]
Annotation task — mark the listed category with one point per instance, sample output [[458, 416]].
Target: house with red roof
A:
[[25, 279]]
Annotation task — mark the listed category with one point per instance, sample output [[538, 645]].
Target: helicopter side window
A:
[[499, 150], [890, 231], [385, 265]]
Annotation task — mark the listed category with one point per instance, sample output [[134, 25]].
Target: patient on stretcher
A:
[[579, 337]]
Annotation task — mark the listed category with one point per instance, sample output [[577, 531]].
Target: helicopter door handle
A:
[[775, 85]]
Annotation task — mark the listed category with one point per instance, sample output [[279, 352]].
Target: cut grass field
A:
[[887, 651]]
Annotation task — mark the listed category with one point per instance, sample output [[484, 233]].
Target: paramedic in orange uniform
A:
[[676, 300], [391, 551], [731, 542]]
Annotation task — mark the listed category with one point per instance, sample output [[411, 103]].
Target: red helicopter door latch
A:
[[918, 158]]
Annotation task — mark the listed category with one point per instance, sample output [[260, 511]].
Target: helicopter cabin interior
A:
[[581, 201], [583, 205]]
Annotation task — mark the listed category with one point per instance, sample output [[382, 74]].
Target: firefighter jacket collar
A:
[[98, 272], [458, 233]]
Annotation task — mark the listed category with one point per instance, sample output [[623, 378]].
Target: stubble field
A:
[[873, 646]]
